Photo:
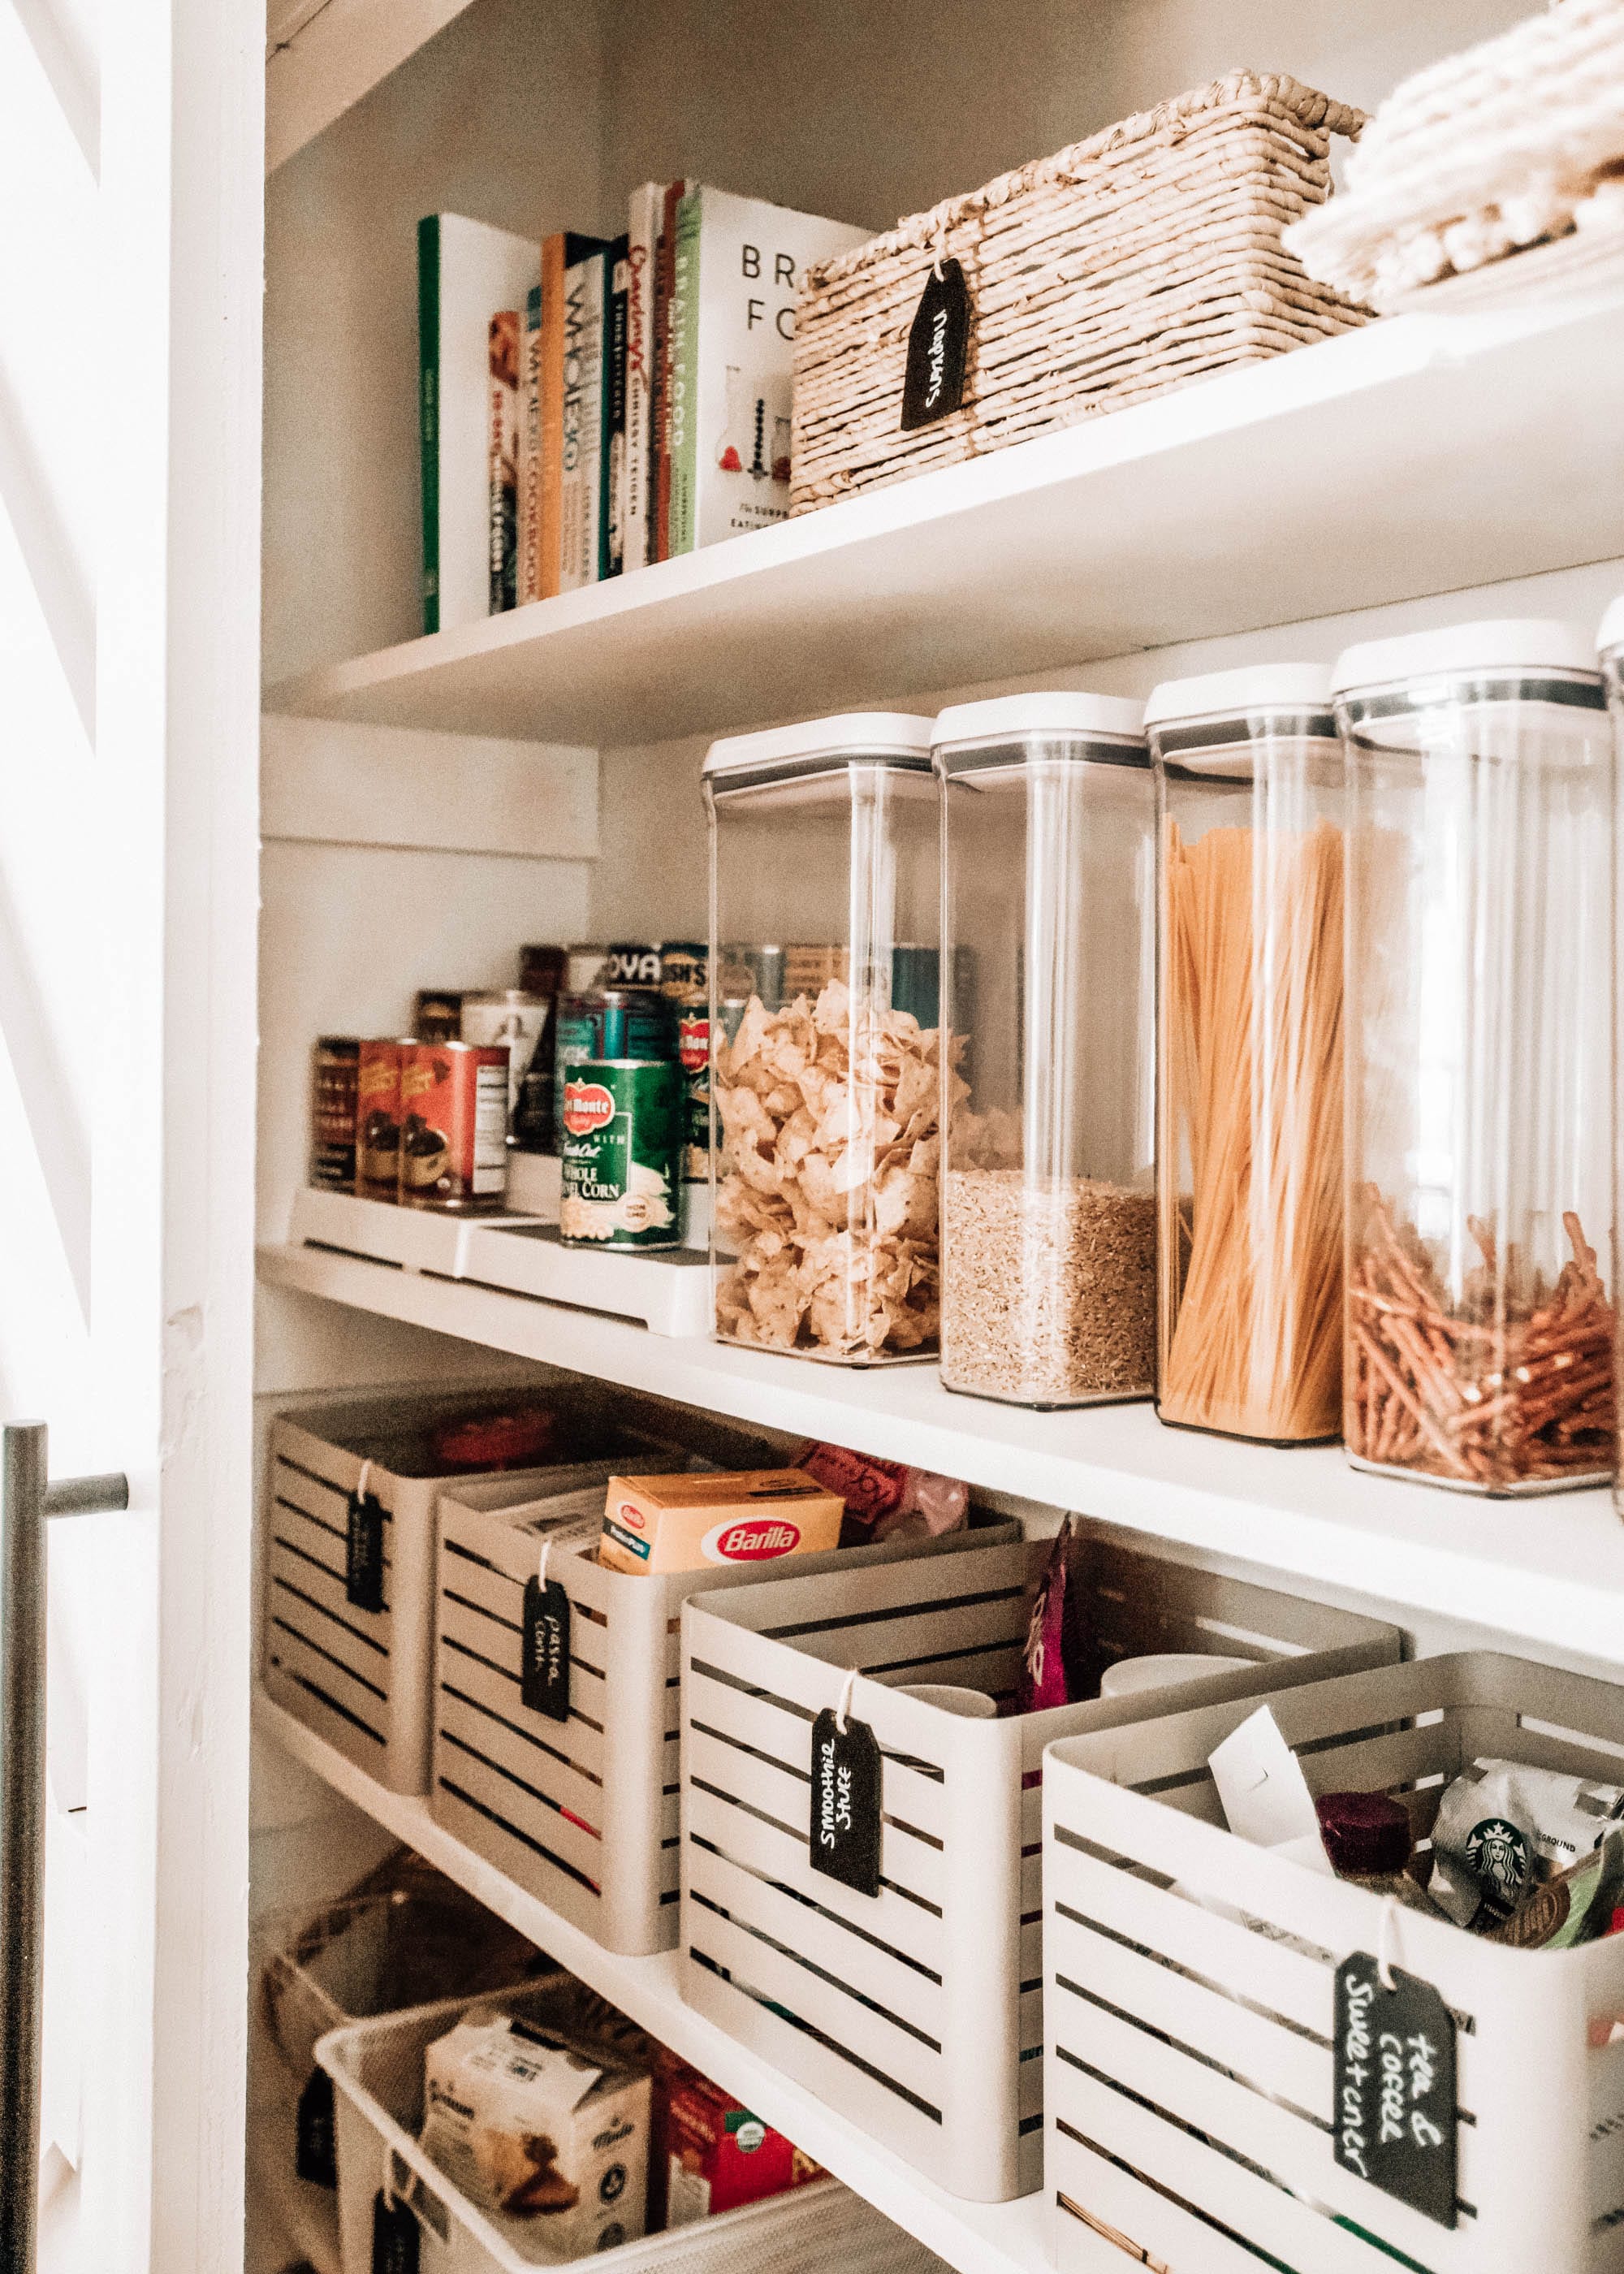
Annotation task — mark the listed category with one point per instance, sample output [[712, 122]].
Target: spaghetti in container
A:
[[1249, 1174], [826, 1103], [1480, 1118]]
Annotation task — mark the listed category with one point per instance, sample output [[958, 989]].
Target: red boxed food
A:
[[712, 2154]]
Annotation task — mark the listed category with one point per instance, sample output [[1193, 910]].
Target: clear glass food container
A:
[[1480, 863], [1049, 1212], [824, 850], [1248, 1175]]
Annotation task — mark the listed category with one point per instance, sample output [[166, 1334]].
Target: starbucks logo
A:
[[1498, 1853]]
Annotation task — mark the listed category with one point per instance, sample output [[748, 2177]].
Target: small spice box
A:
[[1049, 1213], [918, 2011]]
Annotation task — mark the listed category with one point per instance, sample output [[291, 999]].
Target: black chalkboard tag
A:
[[544, 1662], [314, 2157], [363, 1552], [938, 342], [1392, 2115], [396, 2246], [846, 1804]]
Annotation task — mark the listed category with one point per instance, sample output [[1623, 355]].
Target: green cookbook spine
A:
[[685, 373]]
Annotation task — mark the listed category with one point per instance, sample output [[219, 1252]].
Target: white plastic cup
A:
[[1162, 1670], [971, 1705]]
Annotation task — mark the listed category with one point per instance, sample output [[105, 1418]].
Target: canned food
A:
[[752, 968], [520, 1021], [685, 967], [585, 966], [541, 970], [694, 1056], [453, 1126], [808, 969], [378, 1117], [609, 1022], [439, 1014], [334, 1065], [621, 1152], [632, 963]]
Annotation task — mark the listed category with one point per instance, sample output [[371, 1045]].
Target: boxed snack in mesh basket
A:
[[1140, 258], [917, 2009], [1195, 2100], [582, 1812], [349, 1621], [377, 2069]]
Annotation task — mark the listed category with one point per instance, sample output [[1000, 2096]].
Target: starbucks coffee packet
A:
[[1503, 1830]]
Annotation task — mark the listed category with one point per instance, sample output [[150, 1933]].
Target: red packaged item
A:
[[886, 1499], [453, 1126], [712, 2154], [513, 1439], [1051, 1667]]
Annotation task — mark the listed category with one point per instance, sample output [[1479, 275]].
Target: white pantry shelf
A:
[[977, 2238], [1548, 1571], [1416, 456]]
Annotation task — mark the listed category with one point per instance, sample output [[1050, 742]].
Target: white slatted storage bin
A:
[[1190, 2058], [919, 2013], [377, 2072], [582, 1813], [363, 1679]]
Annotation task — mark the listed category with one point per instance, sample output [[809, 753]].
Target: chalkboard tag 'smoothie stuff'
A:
[[1394, 2113], [933, 383], [844, 1831], [396, 2245], [363, 1552], [543, 1663]]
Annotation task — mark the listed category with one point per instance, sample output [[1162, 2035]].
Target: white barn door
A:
[[130, 214]]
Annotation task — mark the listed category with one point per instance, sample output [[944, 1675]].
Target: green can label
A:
[[621, 1151]]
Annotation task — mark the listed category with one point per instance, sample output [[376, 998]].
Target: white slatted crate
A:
[[582, 1814], [377, 2072], [919, 2012], [1190, 2061], [363, 1679]]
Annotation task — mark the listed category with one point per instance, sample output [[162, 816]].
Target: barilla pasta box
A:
[[684, 1523]]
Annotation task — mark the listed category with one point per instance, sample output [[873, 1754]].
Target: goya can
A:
[[453, 1126], [332, 1079], [378, 1117], [622, 1153], [632, 963]]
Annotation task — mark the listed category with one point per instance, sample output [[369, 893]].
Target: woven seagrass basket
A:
[[1144, 257]]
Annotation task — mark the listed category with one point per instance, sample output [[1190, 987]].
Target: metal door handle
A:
[[27, 1497]]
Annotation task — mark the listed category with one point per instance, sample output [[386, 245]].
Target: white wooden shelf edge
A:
[[1176, 519], [1550, 1571], [977, 2239]]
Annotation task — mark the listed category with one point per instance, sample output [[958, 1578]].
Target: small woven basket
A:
[[1144, 257]]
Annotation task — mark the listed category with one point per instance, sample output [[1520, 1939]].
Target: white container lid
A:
[[1232, 694], [1612, 632], [1008, 718], [853, 734], [1513, 647]]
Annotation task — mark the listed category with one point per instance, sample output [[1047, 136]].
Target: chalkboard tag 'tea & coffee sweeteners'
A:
[[844, 1831], [933, 382], [544, 1662], [1393, 2117]]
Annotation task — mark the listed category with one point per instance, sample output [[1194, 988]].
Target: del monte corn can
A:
[[621, 1151]]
